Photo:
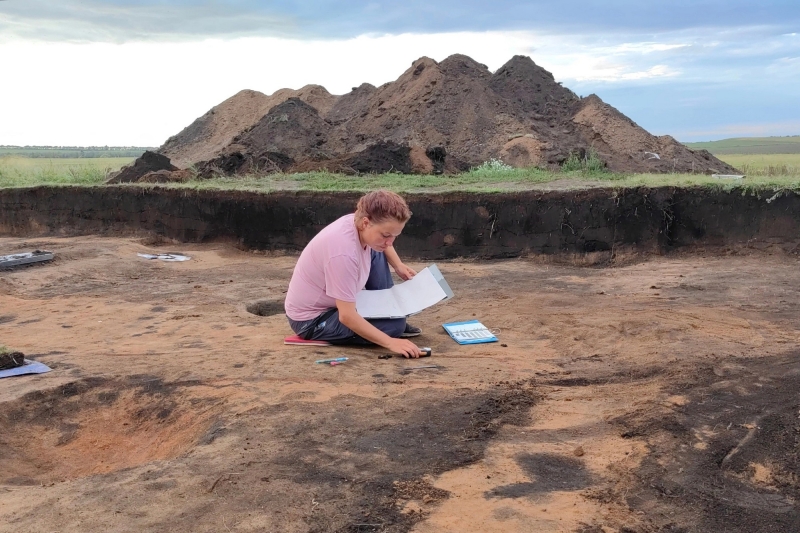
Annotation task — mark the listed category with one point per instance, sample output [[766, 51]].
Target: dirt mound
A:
[[384, 156], [448, 104], [166, 176], [243, 163], [148, 163], [214, 131], [627, 147], [449, 116], [316, 96], [547, 104], [352, 104], [533, 89], [293, 128]]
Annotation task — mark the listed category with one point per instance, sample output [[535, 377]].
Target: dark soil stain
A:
[[700, 476], [620, 376], [550, 473], [5, 319], [266, 308], [108, 397], [361, 459]]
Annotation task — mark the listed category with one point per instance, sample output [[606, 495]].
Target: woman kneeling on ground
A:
[[348, 255]]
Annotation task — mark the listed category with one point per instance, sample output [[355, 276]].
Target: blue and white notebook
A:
[[469, 332]]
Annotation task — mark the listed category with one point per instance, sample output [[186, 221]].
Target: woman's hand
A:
[[405, 348], [405, 272], [350, 318]]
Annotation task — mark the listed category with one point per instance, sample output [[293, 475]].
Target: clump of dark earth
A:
[[148, 162], [362, 459], [166, 176], [743, 475], [551, 472], [436, 117], [265, 307], [11, 360]]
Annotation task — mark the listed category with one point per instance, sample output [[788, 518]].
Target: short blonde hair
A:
[[381, 205]]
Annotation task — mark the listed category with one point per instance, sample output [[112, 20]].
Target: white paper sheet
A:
[[28, 367], [172, 258], [404, 299]]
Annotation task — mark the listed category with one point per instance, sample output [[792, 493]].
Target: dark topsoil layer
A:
[[752, 413], [436, 117], [596, 221], [748, 410]]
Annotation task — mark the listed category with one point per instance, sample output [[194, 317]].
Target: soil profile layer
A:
[[594, 223]]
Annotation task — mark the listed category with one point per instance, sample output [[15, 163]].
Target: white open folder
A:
[[425, 289]]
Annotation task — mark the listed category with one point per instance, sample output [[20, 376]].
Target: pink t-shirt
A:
[[333, 266]]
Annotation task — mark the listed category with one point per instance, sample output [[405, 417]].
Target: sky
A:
[[134, 72]]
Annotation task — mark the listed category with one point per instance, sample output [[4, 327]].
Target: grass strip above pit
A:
[[767, 174]]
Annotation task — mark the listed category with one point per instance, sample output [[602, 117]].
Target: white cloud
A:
[[755, 129], [785, 67], [114, 22], [590, 69], [142, 92], [642, 48]]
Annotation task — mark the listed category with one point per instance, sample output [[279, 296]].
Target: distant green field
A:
[[764, 164], [24, 171], [72, 152], [751, 145]]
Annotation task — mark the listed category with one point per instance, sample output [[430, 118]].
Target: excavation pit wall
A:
[[594, 224]]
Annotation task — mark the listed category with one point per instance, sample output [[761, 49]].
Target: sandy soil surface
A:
[[656, 396]]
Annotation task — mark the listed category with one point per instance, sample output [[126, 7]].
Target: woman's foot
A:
[[410, 331]]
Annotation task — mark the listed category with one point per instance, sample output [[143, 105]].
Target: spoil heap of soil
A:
[[436, 117], [147, 164], [208, 135]]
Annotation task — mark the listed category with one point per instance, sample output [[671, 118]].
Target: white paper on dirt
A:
[[28, 367], [408, 298], [172, 258]]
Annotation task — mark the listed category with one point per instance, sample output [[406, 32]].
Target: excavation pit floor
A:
[[656, 396]]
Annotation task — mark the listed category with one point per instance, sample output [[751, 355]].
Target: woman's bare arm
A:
[[404, 271], [350, 318]]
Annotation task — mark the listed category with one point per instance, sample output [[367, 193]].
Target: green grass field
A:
[[18, 171], [750, 145], [763, 172], [764, 164], [72, 152]]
